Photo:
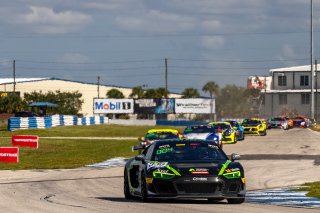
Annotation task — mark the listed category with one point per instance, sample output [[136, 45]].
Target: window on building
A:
[[305, 98], [282, 99], [282, 80], [304, 80]]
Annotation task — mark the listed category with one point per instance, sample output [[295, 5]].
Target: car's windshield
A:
[[251, 122], [161, 135], [222, 126], [186, 151], [199, 129]]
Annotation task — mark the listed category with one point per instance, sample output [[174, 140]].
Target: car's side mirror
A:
[[235, 156], [140, 157]]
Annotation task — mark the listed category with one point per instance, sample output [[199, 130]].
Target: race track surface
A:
[[282, 158]]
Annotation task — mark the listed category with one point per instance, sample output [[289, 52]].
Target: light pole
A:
[[311, 62]]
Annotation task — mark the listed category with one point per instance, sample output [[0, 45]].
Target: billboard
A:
[[256, 82], [112, 106], [154, 106], [195, 106]]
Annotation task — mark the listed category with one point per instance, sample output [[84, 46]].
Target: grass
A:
[[64, 154], [312, 188], [70, 153]]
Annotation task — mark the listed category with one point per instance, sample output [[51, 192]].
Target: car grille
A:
[[164, 187], [201, 188]]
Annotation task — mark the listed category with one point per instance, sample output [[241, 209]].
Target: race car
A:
[[157, 134], [301, 121], [205, 132], [228, 133], [178, 168], [238, 128], [279, 122], [254, 126]]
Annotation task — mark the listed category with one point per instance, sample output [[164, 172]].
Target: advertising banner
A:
[[112, 106], [195, 106], [9, 154], [154, 106], [25, 140]]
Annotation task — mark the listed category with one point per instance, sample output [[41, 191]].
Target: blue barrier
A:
[[15, 123]]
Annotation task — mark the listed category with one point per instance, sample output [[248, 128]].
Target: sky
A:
[[126, 42]]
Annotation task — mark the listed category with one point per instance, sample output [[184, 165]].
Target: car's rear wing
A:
[[138, 147]]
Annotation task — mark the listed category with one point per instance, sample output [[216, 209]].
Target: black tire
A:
[[236, 200], [126, 187], [143, 187]]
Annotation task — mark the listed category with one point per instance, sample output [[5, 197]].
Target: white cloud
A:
[[211, 25], [156, 21], [46, 20], [212, 42]]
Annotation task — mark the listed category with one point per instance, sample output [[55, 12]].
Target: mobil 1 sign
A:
[[112, 106]]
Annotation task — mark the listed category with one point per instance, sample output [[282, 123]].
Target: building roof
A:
[[10, 80], [303, 68]]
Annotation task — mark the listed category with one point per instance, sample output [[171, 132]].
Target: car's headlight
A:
[[232, 173], [228, 132]]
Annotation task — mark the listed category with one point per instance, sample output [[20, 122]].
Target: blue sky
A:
[[125, 42]]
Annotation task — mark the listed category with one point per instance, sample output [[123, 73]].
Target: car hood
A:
[[185, 169]]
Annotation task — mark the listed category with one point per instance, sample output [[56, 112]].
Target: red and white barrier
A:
[[9, 154], [25, 140]]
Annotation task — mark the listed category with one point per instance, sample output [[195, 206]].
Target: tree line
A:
[[231, 101]]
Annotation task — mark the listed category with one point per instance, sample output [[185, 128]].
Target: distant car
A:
[[254, 126], [301, 121], [191, 169], [159, 134], [238, 128], [205, 132], [279, 122], [228, 133], [25, 114]]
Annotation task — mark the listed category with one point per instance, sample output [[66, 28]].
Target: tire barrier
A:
[[15, 123]]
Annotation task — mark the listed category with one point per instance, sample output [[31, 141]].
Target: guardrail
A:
[[15, 123]]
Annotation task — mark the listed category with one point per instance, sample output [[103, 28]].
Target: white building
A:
[[89, 91], [290, 92]]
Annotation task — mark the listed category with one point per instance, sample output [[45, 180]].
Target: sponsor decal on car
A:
[[200, 179], [199, 171], [156, 164]]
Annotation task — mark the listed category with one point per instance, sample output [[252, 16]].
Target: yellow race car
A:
[[254, 126], [228, 134]]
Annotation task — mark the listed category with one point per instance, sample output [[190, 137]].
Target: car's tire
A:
[[235, 139], [126, 187], [236, 200], [143, 187]]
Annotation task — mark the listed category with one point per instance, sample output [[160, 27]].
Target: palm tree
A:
[[211, 87], [137, 92], [190, 93], [115, 93]]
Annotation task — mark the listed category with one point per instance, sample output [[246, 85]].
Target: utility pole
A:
[[14, 75], [311, 61], [166, 76], [98, 86], [316, 98]]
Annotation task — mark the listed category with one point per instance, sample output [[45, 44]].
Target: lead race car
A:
[[204, 132], [175, 169]]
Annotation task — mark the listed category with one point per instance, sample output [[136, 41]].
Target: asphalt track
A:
[[282, 158]]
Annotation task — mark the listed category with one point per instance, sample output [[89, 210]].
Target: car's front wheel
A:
[[126, 187], [235, 200], [143, 187]]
